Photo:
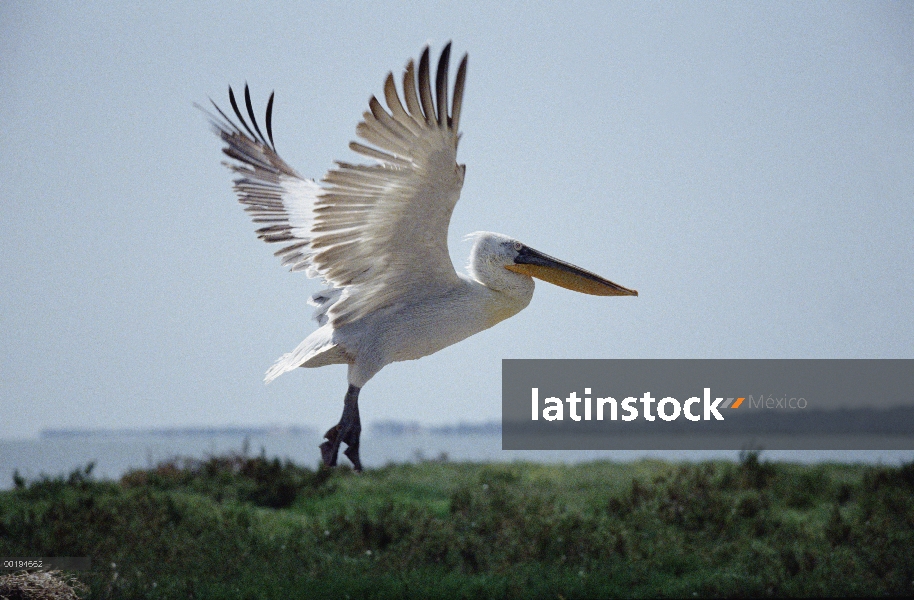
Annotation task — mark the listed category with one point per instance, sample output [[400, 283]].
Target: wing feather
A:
[[425, 87], [458, 94], [411, 97], [373, 153], [441, 85]]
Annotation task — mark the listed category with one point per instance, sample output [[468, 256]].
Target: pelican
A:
[[377, 237]]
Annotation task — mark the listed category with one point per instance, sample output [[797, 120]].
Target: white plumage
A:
[[377, 235]]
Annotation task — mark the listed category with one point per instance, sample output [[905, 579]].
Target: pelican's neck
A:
[[496, 305]]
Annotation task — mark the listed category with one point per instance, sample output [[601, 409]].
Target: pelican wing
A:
[[377, 234], [380, 231], [278, 199]]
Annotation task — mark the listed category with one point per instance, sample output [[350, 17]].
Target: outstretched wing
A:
[[375, 233], [276, 197], [380, 231]]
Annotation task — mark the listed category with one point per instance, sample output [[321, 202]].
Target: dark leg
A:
[[347, 430]]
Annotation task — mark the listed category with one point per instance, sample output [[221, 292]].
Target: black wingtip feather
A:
[[441, 84], [428, 106], [459, 84], [270, 120], [247, 100]]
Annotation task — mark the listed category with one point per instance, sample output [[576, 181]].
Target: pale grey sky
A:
[[749, 168]]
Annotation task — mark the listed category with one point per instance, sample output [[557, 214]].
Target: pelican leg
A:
[[347, 430]]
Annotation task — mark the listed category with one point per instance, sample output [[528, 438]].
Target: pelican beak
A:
[[536, 264]]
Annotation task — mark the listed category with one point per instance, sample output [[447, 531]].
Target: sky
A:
[[747, 167]]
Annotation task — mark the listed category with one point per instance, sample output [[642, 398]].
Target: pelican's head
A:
[[493, 253]]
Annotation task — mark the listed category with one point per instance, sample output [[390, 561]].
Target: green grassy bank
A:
[[248, 527]]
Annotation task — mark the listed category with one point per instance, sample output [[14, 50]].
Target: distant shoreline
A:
[[382, 428], [177, 431]]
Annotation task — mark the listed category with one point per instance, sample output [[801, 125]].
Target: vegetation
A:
[[39, 585], [250, 527]]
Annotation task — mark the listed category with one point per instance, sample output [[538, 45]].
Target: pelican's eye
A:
[[518, 246]]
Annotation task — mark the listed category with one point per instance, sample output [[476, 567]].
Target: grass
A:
[[248, 527]]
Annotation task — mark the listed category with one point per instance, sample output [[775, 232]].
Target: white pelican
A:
[[377, 236]]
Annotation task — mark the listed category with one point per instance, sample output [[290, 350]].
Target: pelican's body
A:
[[416, 325], [378, 236]]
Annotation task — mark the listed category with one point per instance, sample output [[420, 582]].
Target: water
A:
[[116, 454]]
